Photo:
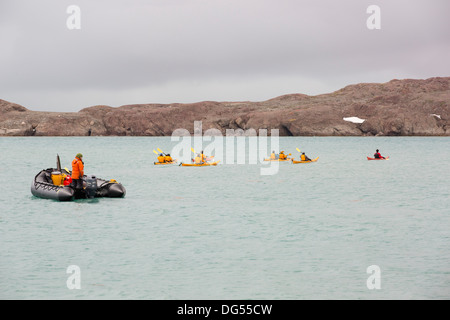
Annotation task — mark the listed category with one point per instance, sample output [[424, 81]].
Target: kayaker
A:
[[273, 156], [283, 156], [168, 158], [78, 171], [161, 158], [203, 157], [198, 159], [303, 157], [378, 155]]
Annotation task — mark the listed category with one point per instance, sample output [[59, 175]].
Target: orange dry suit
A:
[[77, 169]]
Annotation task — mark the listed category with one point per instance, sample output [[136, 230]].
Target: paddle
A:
[[193, 151], [157, 152], [298, 151], [161, 151]]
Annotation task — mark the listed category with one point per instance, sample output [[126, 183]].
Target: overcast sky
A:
[[166, 51]]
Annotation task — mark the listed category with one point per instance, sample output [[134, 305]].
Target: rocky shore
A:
[[396, 108]]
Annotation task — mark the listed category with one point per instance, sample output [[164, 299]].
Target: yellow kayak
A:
[[288, 159], [313, 160], [165, 163], [200, 165]]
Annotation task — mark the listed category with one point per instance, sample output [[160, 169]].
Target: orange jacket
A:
[[77, 168], [168, 159], [161, 159]]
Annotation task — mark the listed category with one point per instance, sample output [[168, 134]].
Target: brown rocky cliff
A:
[[399, 107]]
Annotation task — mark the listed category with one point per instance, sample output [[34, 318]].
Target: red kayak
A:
[[368, 158]]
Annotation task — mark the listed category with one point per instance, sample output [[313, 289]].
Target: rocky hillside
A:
[[396, 108]]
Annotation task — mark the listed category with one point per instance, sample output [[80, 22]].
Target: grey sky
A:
[[165, 51]]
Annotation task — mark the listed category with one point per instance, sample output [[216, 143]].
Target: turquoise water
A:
[[228, 232]]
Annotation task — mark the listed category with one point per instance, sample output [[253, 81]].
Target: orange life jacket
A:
[[161, 159], [168, 159], [77, 169]]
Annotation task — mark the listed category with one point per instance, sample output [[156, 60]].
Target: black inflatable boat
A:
[[43, 187]]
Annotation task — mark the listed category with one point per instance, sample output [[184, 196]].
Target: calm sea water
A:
[[227, 232]]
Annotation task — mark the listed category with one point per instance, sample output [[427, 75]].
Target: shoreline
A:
[[396, 108]]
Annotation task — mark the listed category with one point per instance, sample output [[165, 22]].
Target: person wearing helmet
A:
[[378, 155], [78, 171], [283, 156]]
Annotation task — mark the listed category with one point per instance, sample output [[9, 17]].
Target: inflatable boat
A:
[[47, 184]]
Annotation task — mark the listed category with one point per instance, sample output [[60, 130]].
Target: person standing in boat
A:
[[78, 171], [378, 155]]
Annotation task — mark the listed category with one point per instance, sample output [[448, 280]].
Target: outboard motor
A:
[[91, 186]]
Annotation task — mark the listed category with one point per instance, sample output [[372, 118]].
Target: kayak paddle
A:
[[160, 151]]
